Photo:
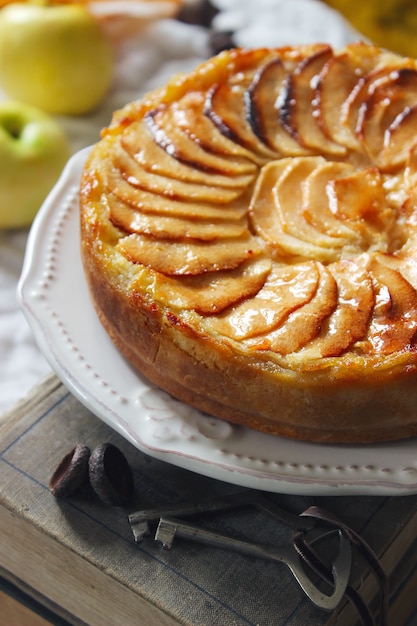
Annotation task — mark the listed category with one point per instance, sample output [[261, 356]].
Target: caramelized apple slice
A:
[[399, 138], [130, 220], [225, 106], [336, 81], [155, 159], [337, 85], [179, 145], [286, 289], [262, 101], [266, 217], [192, 119], [358, 194], [390, 97], [147, 202], [350, 321], [394, 323], [262, 208], [319, 200], [360, 199], [352, 109], [304, 324], [298, 113], [212, 292], [180, 258], [289, 192], [406, 259], [137, 177]]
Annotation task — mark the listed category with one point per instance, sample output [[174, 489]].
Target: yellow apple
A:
[[33, 152], [55, 57]]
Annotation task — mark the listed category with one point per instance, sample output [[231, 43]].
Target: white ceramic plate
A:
[[54, 297]]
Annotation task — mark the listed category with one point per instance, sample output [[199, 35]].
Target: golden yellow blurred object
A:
[[388, 23]]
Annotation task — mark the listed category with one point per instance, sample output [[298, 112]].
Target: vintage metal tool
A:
[[170, 526]]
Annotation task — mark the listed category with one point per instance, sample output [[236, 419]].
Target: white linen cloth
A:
[[145, 62]]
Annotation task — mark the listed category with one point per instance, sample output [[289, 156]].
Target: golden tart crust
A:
[[249, 237]]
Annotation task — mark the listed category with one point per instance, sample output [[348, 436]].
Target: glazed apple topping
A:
[[226, 108], [304, 324], [154, 159], [299, 112], [277, 199], [212, 292], [394, 322], [337, 79], [163, 123], [189, 257], [169, 227], [286, 289]]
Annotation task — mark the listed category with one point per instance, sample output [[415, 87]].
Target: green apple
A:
[[33, 152], [55, 57]]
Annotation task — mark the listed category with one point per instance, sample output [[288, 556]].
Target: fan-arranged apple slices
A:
[[320, 201], [337, 86], [148, 202], [291, 209], [136, 176], [349, 322], [212, 292], [298, 112], [272, 216], [190, 257], [226, 108], [291, 191], [263, 110], [182, 147], [190, 116], [155, 159], [388, 107], [254, 223], [362, 206], [132, 220], [399, 137], [360, 199], [394, 322], [286, 289], [353, 111], [337, 79], [305, 323]]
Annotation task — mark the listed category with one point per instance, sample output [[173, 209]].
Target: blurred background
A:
[[388, 23]]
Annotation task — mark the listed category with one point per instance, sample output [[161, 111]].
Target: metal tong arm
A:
[[169, 528]]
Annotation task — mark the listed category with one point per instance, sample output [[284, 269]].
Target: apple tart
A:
[[249, 238]]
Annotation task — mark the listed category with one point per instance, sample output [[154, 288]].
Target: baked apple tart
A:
[[249, 238]]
